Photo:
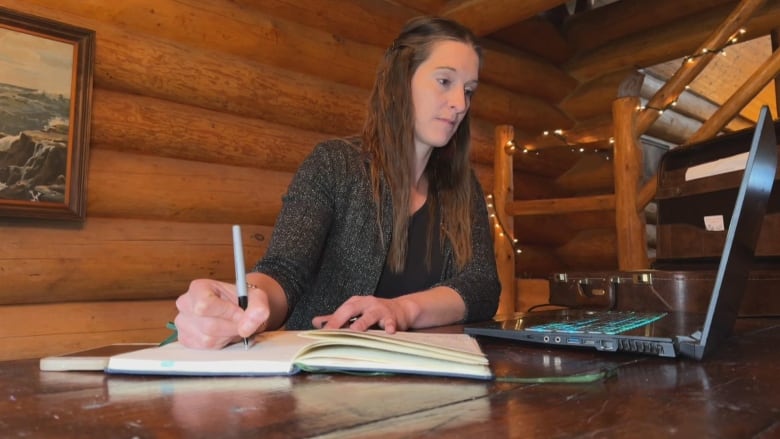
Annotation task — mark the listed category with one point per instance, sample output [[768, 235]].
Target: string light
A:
[[561, 135], [573, 147], [558, 134], [659, 110], [691, 58], [499, 226], [720, 50], [510, 148]]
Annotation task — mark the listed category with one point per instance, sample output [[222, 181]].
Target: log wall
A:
[[201, 112]]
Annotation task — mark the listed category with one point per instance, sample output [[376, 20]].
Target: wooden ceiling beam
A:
[[484, 17], [367, 21], [596, 27], [537, 36], [665, 43], [557, 206], [524, 74], [430, 7]]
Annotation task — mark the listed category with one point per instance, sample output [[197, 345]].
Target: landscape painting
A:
[[45, 90]]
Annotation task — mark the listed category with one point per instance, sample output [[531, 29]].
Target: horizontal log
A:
[[116, 259], [370, 21], [531, 292], [514, 71], [590, 250], [562, 205], [586, 30], [123, 185], [217, 82], [555, 230], [594, 98], [202, 25], [378, 23], [671, 41], [484, 175], [207, 79], [289, 99], [204, 80], [429, 7], [149, 126], [486, 16], [523, 112], [532, 187], [192, 133], [536, 261], [271, 29], [592, 174], [482, 133], [211, 80], [549, 163], [35, 331], [591, 131], [537, 36]]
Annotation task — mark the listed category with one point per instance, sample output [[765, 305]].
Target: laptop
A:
[[671, 334]]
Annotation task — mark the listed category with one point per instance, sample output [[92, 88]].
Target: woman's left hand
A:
[[362, 312]]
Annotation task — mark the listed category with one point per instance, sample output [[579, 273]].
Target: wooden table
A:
[[735, 393]]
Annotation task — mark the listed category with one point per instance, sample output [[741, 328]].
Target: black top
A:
[[329, 245], [417, 274]]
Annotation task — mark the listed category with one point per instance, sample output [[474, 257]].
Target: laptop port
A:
[[607, 345]]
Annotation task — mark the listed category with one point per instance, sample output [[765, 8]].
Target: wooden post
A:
[[775, 37], [629, 222], [503, 193]]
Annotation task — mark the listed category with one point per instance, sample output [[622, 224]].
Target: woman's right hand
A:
[[210, 318]]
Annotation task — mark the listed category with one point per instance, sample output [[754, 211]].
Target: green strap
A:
[[173, 337], [587, 377]]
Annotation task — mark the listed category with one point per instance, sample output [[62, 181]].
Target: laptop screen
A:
[[742, 235]]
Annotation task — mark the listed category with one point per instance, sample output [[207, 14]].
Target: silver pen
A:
[[238, 258]]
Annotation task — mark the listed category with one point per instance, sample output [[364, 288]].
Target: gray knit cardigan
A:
[[325, 246]]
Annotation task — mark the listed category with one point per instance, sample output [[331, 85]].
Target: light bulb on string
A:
[[499, 226]]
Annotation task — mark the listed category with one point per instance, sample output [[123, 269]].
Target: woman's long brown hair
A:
[[388, 138]]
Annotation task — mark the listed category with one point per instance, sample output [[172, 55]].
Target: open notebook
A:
[[319, 350], [668, 334]]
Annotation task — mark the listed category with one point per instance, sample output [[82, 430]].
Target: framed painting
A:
[[45, 98]]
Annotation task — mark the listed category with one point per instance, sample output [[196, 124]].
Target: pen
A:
[[238, 257]]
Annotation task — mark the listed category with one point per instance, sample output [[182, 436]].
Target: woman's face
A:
[[441, 92]]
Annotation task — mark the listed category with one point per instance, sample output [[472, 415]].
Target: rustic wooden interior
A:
[[202, 110]]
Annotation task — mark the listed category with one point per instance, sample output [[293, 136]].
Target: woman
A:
[[387, 229]]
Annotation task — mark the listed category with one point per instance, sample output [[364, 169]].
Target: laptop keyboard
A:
[[608, 322]]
